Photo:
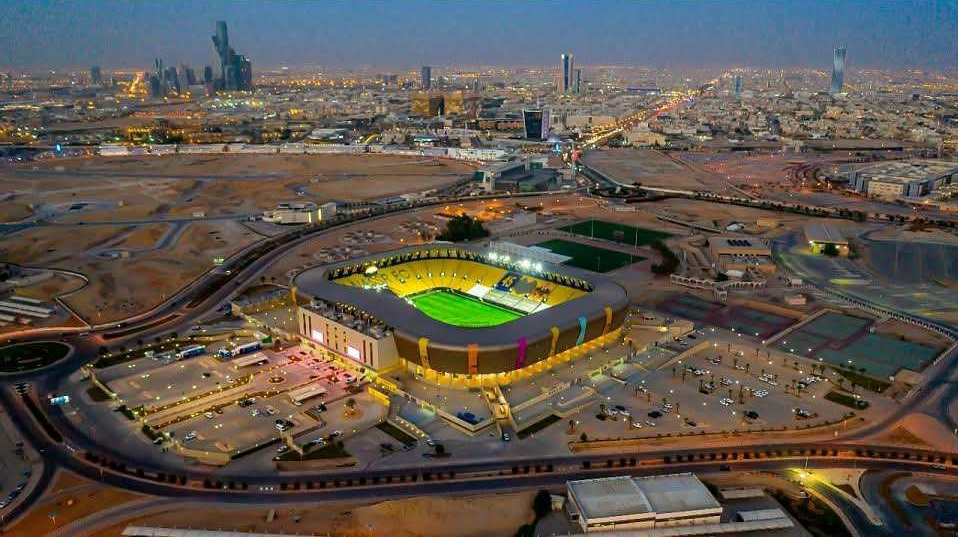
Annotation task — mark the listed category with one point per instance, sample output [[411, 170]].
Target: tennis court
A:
[[589, 257], [461, 310], [844, 340], [621, 233]]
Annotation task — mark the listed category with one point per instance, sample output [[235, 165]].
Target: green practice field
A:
[[589, 257], [459, 310], [621, 233]]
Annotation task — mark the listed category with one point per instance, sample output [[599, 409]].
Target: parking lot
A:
[[721, 388], [252, 422], [150, 383]]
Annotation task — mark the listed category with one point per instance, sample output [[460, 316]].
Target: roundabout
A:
[[26, 357]]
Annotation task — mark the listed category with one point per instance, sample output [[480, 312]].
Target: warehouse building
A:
[[903, 179], [624, 503]]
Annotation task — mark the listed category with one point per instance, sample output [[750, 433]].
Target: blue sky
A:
[[405, 34]]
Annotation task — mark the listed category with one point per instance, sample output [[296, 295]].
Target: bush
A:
[[463, 228]]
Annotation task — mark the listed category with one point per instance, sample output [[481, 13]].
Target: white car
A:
[[189, 436], [650, 423], [761, 393], [636, 424], [725, 401], [209, 415], [725, 381]]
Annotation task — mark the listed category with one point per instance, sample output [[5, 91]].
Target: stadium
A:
[[457, 313]]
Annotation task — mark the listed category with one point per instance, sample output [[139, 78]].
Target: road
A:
[[177, 312]]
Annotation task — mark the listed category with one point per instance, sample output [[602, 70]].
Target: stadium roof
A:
[[406, 319]]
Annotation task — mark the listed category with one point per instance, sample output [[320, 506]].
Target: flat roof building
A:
[[822, 237], [903, 178], [625, 502]]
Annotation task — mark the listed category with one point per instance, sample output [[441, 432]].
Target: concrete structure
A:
[[735, 253], [903, 178], [300, 213], [625, 503], [821, 237], [360, 309]]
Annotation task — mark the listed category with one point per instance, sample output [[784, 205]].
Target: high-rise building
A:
[[96, 76], [171, 77], [535, 123], [156, 87], [426, 104], [838, 70], [567, 75], [236, 70], [578, 81], [738, 86], [425, 77], [208, 74]]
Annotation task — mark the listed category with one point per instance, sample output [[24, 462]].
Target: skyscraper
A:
[[208, 74], [564, 64], [838, 70], [425, 77], [96, 76], [236, 71], [578, 81], [567, 74], [738, 86]]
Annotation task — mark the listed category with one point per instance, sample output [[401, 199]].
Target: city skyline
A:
[[656, 34]]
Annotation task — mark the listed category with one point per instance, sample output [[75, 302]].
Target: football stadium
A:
[[457, 314]]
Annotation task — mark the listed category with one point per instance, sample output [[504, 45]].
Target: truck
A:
[[240, 350], [191, 351]]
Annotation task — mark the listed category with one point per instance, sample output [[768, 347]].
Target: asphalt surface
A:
[[935, 396]]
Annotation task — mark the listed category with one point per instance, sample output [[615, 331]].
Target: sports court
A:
[[589, 257], [847, 341], [461, 310], [621, 233], [741, 319]]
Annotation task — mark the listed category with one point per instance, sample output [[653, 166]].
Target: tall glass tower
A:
[[838, 70]]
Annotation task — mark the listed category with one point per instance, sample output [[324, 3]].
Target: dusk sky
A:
[[53, 34]]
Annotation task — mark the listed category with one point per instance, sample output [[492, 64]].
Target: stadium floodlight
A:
[[493, 256], [538, 267]]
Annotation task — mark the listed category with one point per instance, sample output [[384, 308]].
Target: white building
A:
[[624, 503], [364, 342], [300, 213]]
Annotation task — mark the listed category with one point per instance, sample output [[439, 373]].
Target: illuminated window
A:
[[318, 336]]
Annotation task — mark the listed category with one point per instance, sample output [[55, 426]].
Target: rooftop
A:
[[625, 495], [818, 232], [909, 170]]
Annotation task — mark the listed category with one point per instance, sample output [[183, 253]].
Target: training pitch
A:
[[611, 231], [460, 310]]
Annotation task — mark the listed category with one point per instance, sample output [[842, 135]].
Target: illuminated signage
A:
[[352, 352], [318, 336]]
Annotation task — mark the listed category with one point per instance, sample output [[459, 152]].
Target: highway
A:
[[180, 311]]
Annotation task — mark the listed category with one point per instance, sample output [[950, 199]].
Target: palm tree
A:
[[350, 406]]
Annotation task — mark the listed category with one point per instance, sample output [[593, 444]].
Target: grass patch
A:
[[461, 310], [846, 400], [869, 383], [97, 395], [330, 451], [538, 426], [589, 257], [30, 356], [621, 233], [400, 435], [814, 515]]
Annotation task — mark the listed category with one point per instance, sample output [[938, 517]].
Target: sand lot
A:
[[421, 517], [179, 185], [651, 168], [126, 201]]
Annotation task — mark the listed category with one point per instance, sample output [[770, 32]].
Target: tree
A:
[[463, 228], [584, 437], [440, 449], [542, 504], [350, 405]]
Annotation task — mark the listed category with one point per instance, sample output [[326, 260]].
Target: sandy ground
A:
[[651, 168], [467, 516], [898, 329], [69, 498]]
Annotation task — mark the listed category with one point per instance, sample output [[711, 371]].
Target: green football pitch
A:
[[621, 233], [459, 310]]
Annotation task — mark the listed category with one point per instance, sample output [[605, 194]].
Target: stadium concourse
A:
[[456, 314]]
